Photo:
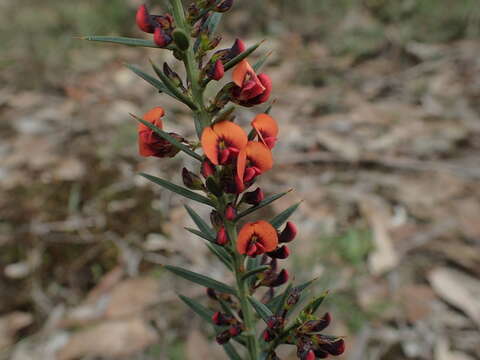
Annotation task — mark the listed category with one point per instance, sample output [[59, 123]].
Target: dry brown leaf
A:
[[458, 289], [110, 339]]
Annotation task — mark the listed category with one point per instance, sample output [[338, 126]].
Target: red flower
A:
[[266, 128], [149, 142], [256, 238], [223, 141], [251, 89], [253, 160], [159, 25]]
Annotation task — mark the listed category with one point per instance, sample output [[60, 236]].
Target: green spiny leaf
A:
[[255, 271], [279, 306], [178, 189], [198, 308], [201, 234], [166, 136], [231, 352], [122, 41], [151, 80], [315, 303], [201, 224], [278, 220], [261, 309], [201, 279], [262, 204], [222, 254], [259, 64], [172, 88]]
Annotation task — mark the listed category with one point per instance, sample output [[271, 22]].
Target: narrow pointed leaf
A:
[[252, 263], [222, 254], [274, 303], [201, 224], [278, 220], [121, 41], [279, 306], [166, 136], [231, 352], [263, 311], [201, 279], [198, 308], [178, 189], [172, 88], [262, 204], [255, 271], [201, 234], [151, 80], [242, 56], [315, 303], [259, 64]]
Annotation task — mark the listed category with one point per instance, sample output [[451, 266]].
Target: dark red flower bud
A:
[[211, 293], [191, 180], [216, 220], [144, 20], [281, 252], [268, 335], [320, 354], [292, 298], [230, 213], [275, 322], [329, 344], [216, 71], [222, 237], [281, 279], [237, 48], [310, 355], [235, 330], [161, 38], [288, 233], [313, 326], [254, 197], [224, 6], [208, 169], [223, 337], [220, 319]]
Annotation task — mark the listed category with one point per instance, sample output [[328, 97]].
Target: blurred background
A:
[[379, 107]]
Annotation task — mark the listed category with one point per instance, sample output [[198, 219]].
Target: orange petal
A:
[[266, 233], [209, 141], [231, 133], [241, 70], [153, 116], [241, 164], [260, 155], [265, 126]]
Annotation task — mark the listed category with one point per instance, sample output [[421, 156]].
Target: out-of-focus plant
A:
[[229, 164]]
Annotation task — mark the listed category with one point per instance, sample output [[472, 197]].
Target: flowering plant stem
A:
[[231, 161]]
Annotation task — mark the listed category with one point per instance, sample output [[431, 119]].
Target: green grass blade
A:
[[166, 136], [201, 234], [255, 271], [201, 279], [278, 220], [259, 64], [242, 56], [178, 189], [221, 254]]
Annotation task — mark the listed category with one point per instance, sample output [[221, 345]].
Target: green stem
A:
[[242, 290], [201, 116]]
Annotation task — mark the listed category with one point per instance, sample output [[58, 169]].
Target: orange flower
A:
[[251, 89], [253, 160], [256, 238], [223, 141], [266, 128], [149, 142]]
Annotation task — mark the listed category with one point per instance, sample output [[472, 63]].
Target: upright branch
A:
[[256, 313]]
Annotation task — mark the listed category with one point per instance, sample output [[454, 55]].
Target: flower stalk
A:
[[257, 311]]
